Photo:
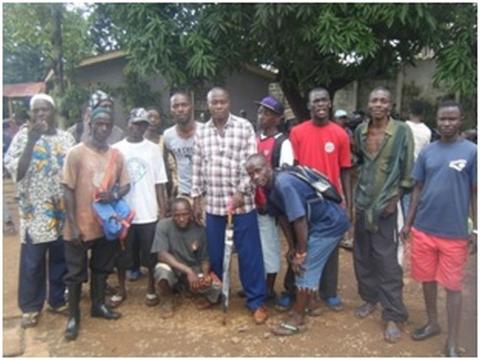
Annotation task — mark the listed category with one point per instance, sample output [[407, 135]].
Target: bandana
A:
[[97, 97]]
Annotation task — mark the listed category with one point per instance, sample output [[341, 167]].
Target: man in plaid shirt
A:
[[221, 149]]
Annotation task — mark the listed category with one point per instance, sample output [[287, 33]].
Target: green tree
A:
[[48, 35], [309, 44]]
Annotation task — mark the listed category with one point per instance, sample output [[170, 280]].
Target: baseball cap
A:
[[271, 103], [138, 115], [340, 113]]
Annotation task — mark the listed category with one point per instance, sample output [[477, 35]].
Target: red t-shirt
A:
[[325, 148], [264, 146]]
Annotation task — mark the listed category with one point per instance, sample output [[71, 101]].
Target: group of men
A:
[[222, 168]]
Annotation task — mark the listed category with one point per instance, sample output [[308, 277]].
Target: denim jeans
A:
[[319, 249]]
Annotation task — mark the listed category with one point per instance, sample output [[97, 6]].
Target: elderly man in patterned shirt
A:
[[221, 149], [35, 159]]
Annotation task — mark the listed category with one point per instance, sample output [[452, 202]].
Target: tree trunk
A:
[[57, 46], [298, 103]]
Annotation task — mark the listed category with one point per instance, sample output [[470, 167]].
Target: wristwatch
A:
[[115, 194]]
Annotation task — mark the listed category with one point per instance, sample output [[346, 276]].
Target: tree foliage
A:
[[309, 44], [28, 37]]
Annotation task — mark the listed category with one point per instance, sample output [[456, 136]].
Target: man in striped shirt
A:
[[221, 149]]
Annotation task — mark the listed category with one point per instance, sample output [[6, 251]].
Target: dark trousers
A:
[[329, 280], [246, 238], [379, 276], [32, 287], [101, 260]]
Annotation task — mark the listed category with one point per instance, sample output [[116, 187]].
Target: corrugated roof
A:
[[23, 89]]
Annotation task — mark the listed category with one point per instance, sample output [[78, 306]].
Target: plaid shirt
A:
[[218, 164]]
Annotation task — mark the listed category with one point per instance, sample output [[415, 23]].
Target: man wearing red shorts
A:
[[446, 178]]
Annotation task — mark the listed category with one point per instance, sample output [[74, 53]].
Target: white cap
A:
[[340, 113], [44, 97]]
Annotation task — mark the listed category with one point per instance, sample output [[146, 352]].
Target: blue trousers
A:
[[250, 259], [32, 287]]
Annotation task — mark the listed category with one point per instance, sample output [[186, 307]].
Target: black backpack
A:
[[317, 180]]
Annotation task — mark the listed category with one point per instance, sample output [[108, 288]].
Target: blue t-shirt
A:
[[294, 198], [447, 171]]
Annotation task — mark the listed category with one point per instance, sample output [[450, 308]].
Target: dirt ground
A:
[[142, 332]]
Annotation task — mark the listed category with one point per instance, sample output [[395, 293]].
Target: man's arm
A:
[[473, 201], [412, 211], [161, 191], [197, 180], [169, 259], [245, 186], [287, 231], [111, 195], [69, 197], [345, 176], [406, 167], [33, 135]]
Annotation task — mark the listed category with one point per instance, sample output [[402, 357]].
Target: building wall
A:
[[109, 75], [411, 82], [244, 86]]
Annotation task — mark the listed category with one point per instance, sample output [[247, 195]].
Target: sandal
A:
[[116, 300], [286, 329], [203, 304], [30, 319], [318, 311], [151, 300]]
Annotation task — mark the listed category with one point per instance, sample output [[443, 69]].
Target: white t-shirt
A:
[[182, 149], [421, 136], [145, 168]]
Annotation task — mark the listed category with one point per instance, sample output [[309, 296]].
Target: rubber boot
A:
[[73, 323], [97, 292]]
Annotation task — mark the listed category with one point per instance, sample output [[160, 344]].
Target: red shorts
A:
[[438, 259]]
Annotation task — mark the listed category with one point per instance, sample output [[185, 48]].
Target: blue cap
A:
[[272, 103]]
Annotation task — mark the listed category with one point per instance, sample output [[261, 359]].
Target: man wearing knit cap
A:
[[93, 170], [34, 160]]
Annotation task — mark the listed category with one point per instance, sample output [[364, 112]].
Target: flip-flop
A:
[[286, 329], [151, 300], [116, 300], [318, 311], [203, 304]]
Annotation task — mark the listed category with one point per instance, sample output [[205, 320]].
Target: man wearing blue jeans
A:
[[221, 149], [313, 227]]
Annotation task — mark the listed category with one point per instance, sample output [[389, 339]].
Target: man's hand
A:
[[198, 210], [473, 243], [297, 263], [77, 236], [405, 233], [36, 131], [390, 208], [106, 196], [236, 201], [193, 280]]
